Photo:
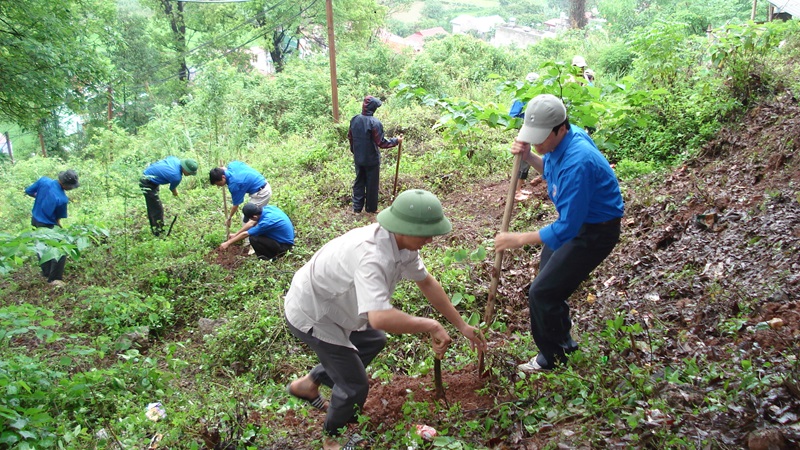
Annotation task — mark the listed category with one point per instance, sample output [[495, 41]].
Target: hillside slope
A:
[[709, 255]]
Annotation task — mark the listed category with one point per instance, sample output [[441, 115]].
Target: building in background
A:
[[481, 26], [784, 9], [417, 40], [513, 34]]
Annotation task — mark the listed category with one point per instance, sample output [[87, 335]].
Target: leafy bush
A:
[[615, 60], [46, 244], [742, 53], [627, 169], [114, 313]]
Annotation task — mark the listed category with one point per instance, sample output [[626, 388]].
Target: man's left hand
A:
[[505, 241], [476, 338]]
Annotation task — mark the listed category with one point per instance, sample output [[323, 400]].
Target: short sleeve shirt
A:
[[274, 224], [166, 171], [243, 179], [345, 279]]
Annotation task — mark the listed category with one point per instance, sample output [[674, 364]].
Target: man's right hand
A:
[[520, 147], [441, 340]]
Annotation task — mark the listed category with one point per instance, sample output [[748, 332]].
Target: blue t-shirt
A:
[[517, 109], [51, 201], [166, 171], [274, 224], [243, 179], [581, 184]]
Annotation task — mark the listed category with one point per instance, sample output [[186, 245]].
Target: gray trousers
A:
[[343, 369]]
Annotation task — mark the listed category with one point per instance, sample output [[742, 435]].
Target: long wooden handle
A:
[[225, 210], [498, 255], [488, 313], [397, 168]]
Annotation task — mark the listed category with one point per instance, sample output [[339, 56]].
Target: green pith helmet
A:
[[415, 213], [189, 165]]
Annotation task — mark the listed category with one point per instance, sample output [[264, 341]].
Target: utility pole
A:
[[332, 56]]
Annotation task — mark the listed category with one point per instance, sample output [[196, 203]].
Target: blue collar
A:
[[561, 148]]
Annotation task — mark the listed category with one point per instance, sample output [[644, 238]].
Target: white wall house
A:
[[482, 25]]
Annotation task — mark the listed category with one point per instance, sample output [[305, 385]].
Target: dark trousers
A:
[[268, 248], [155, 210], [366, 185], [560, 274], [53, 269], [343, 370]]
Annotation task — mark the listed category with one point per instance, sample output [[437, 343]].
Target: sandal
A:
[[318, 403], [352, 443]]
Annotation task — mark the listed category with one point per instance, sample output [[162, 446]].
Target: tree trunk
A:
[[178, 27], [41, 140], [277, 51], [8, 147], [577, 14], [110, 106]]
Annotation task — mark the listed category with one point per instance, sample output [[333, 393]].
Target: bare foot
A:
[[330, 443], [307, 389]]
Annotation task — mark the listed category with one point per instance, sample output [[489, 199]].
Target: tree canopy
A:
[[51, 54]]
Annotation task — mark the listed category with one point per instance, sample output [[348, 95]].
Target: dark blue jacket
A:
[[366, 135]]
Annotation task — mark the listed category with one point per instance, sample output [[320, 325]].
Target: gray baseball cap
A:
[[544, 113]]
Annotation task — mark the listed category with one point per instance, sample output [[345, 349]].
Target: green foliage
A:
[[48, 404], [113, 313], [368, 70], [54, 45], [615, 60], [742, 53], [299, 108], [662, 95], [628, 169], [46, 244]]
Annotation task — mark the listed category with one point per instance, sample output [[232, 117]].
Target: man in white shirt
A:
[[339, 303]]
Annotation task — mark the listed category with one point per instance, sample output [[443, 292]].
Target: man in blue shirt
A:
[[586, 194], [49, 207], [169, 170], [241, 179], [270, 231]]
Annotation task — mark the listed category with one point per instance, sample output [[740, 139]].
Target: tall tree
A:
[[283, 23], [577, 13], [51, 55]]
